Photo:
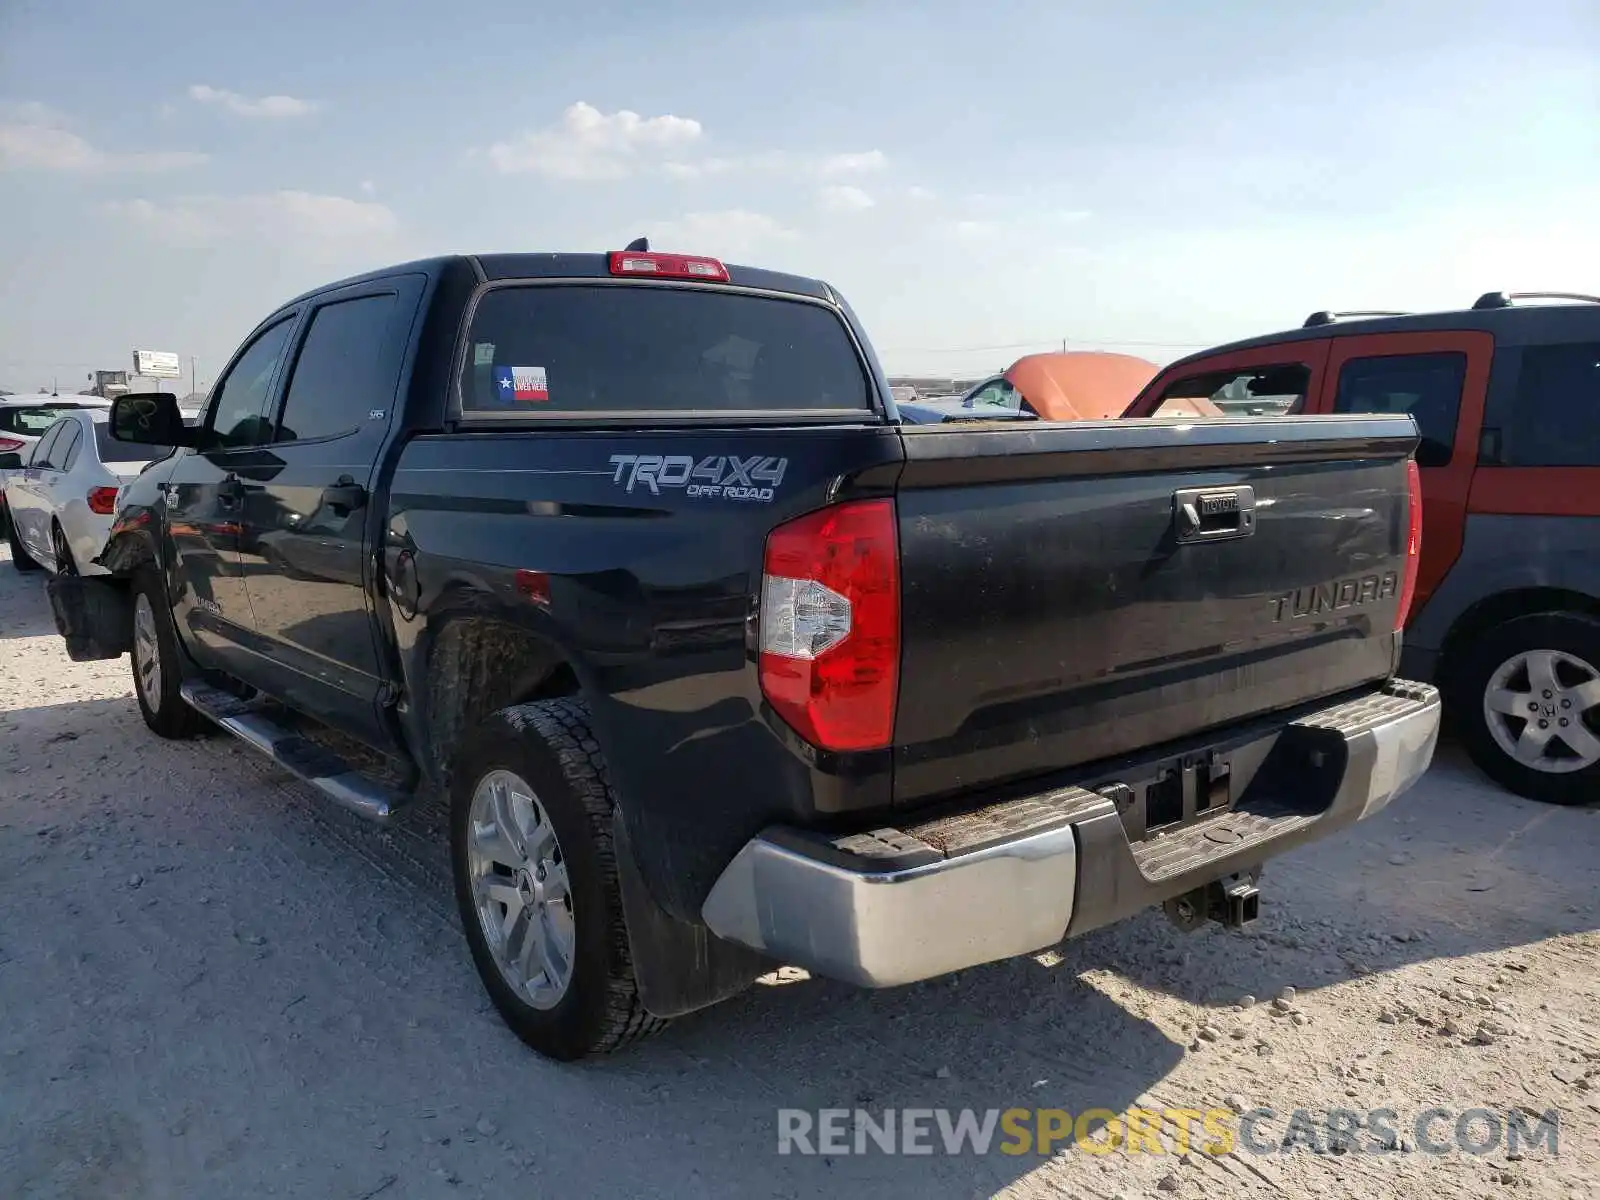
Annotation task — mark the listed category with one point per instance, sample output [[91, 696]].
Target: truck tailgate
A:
[[1072, 592]]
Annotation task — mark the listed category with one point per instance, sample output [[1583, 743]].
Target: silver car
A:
[[63, 499]]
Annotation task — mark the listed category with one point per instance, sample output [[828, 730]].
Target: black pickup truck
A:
[[721, 664]]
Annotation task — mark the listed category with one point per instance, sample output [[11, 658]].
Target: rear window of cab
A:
[[573, 349]]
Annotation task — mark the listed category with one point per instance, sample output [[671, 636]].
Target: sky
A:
[[981, 180]]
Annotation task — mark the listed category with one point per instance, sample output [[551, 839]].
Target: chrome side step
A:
[[294, 752]]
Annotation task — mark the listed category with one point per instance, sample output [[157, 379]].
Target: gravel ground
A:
[[212, 984]]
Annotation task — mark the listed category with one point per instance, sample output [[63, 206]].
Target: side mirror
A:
[[10, 461], [150, 419]]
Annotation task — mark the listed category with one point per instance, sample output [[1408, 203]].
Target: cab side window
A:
[[341, 374], [239, 403], [1266, 391], [1426, 387], [1557, 411]]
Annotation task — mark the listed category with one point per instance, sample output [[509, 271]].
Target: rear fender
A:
[[129, 547]]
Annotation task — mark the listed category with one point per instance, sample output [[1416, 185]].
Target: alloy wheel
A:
[[1542, 708], [520, 888], [146, 652]]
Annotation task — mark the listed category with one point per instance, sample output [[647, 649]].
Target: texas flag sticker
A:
[[525, 384]]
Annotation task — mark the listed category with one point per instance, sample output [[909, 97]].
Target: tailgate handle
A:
[[1213, 514]]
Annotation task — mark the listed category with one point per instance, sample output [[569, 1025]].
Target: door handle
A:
[[1213, 514], [344, 496]]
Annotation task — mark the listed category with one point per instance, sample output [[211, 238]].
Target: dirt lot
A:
[[213, 985]]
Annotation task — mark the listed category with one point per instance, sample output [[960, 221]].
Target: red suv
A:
[[1506, 397]]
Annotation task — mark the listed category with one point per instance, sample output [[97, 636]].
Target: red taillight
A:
[[535, 585], [1408, 589], [830, 625], [103, 500], [7, 445], [667, 266]]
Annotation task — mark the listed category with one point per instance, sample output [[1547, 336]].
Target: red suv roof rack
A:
[[1324, 317], [1504, 299]]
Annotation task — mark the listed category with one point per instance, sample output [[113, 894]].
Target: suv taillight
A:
[[8, 444], [830, 624], [1408, 589]]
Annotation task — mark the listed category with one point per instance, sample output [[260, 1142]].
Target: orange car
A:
[[1076, 386]]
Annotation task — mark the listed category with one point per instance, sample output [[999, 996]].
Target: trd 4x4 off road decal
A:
[[725, 477]]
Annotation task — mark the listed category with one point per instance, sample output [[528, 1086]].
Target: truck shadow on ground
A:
[[29, 620], [363, 983]]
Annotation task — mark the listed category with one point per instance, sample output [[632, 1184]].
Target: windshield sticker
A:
[[719, 477], [483, 354], [524, 384]]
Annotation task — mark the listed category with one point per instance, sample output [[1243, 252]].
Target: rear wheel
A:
[[157, 661], [536, 881], [1528, 699], [62, 551], [20, 558]]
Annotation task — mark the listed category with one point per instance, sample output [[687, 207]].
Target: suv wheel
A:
[[1529, 702], [157, 661], [536, 880]]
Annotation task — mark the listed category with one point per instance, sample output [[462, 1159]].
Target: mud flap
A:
[[679, 966], [95, 616]]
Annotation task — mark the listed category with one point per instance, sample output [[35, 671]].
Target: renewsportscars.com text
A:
[[1215, 1131]]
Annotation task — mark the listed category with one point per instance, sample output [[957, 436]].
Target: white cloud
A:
[[36, 137], [271, 107], [974, 230], [780, 164], [304, 219], [917, 192], [368, 188], [728, 233], [843, 198], [850, 164], [588, 144]]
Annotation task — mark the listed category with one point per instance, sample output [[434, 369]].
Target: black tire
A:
[[21, 560], [550, 745], [65, 563], [166, 714], [1569, 634]]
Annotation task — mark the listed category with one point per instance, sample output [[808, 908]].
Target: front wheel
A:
[[1529, 702], [536, 881], [157, 661]]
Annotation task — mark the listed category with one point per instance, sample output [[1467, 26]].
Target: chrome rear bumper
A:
[[896, 906]]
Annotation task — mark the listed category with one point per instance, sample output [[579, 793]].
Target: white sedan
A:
[[23, 419], [64, 498]]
